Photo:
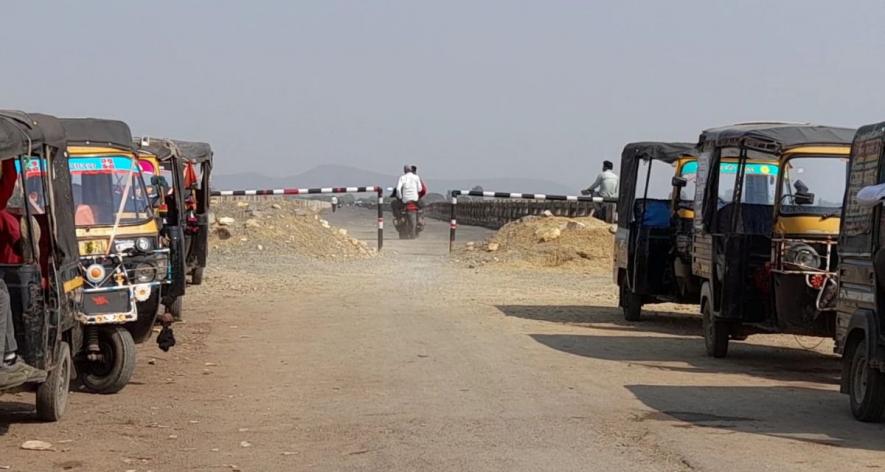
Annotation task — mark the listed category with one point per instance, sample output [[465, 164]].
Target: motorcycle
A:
[[408, 219]]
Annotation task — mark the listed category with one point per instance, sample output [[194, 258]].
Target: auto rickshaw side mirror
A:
[[805, 198], [678, 182]]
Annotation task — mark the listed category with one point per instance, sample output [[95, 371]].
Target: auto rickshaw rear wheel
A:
[[52, 395], [631, 304], [114, 370], [866, 385], [197, 276], [716, 332], [176, 308]]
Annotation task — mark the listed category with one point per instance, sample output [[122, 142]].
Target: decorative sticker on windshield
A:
[[102, 164]]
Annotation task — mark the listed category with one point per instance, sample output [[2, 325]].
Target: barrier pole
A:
[[380, 218], [453, 221]]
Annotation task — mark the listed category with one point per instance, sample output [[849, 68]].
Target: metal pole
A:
[[380, 218], [453, 224]]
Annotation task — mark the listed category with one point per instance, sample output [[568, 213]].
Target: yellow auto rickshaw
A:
[[766, 227], [123, 260]]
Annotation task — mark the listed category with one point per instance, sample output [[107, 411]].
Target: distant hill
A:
[[337, 175]]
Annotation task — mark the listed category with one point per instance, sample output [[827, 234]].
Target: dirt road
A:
[[408, 361]]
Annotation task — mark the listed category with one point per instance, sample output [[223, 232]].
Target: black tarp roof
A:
[[775, 137], [872, 131], [659, 151], [19, 130], [165, 148], [97, 132]]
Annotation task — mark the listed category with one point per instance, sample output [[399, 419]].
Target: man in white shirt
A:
[[409, 186], [606, 183], [605, 186]]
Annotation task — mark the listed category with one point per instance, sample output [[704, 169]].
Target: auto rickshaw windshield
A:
[[108, 190], [821, 179], [759, 185]]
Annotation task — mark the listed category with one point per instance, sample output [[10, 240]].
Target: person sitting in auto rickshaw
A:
[[13, 371]]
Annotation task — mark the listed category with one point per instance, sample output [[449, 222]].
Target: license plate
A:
[[94, 247], [116, 301]]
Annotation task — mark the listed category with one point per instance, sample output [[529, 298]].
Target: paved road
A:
[[410, 362]]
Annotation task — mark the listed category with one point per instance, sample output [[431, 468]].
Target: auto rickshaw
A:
[[652, 259], [860, 325], [41, 270], [185, 167], [765, 229], [121, 256]]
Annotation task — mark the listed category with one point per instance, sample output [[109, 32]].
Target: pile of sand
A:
[[573, 243], [279, 226]]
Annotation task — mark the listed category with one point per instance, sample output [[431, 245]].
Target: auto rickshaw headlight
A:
[[144, 273], [143, 244], [95, 273], [802, 256]]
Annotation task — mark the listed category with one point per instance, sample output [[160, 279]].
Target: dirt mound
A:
[[584, 244], [280, 226]]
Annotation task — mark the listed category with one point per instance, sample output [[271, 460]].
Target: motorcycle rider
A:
[[408, 190]]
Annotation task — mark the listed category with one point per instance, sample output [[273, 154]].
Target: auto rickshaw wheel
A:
[[197, 276], [52, 395], [176, 308], [716, 332], [631, 304], [866, 386], [114, 370]]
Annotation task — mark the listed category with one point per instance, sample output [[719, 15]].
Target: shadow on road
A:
[[780, 363], [16, 412], [803, 414], [580, 315]]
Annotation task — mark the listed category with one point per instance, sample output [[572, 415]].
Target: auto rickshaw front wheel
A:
[[115, 365], [52, 395], [716, 332], [866, 385]]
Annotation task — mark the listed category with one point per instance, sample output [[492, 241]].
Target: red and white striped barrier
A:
[[314, 191]]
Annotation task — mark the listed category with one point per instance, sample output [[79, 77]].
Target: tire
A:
[[866, 385], [52, 395], [112, 373], [197, 276], [631, 304], [413, 224], [715, 333], [176, 308]]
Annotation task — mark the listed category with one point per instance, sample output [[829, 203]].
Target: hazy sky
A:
[[487, 88]]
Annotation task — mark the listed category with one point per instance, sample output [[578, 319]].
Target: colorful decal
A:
[[102, 164]]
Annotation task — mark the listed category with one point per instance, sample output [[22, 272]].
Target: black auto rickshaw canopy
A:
[[773, 137], [631, 156], [164, 149], [27, 134], [97, 132]]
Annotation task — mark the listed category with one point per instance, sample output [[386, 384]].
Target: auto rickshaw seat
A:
[[755, 219], [653, 213]]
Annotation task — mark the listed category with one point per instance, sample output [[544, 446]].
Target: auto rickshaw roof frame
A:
[[774, 137]]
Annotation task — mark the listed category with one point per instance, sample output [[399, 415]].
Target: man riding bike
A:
[[408, 190]]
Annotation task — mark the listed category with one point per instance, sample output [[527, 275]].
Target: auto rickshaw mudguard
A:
[[148, 310], [865, 322]]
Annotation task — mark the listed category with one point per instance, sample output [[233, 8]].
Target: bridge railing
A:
[[496, 213]]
